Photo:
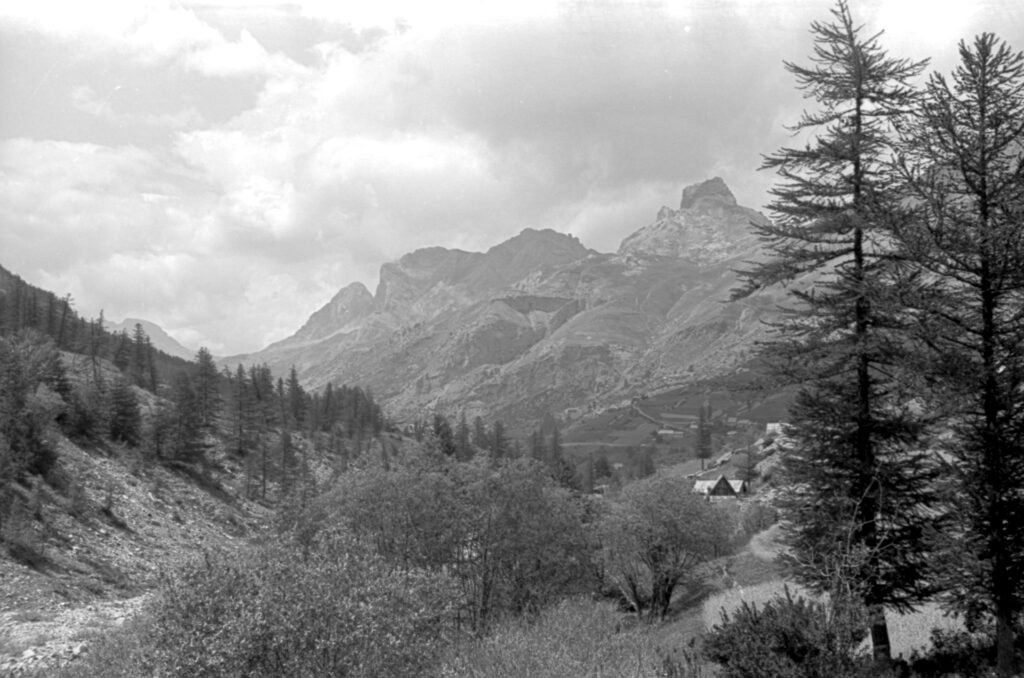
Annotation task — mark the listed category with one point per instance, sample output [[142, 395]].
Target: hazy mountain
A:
[[159, 338], [540, 323]]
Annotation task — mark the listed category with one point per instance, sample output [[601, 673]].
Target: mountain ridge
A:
[[540, 323]]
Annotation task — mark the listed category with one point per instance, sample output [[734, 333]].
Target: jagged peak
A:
[[541, 236], [712, 188], [355, 290]]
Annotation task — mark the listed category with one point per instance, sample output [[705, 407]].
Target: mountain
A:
[[541, 324], [159, 338]]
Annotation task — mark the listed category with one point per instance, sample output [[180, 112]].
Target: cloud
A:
[[85, 99], [154, 34], [289, 150]]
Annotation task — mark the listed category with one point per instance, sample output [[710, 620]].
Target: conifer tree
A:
[[296, 400], [444, 435], [122, 351], [187, 431], [140, 356], [963, 165], [125, 420], [859, 515], [243, 411], [206, 387], [152, 377]]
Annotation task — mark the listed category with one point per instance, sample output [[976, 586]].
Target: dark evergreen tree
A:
[[206, 389], [140, 356], [125, 420], [963, 165], [122, 351], [243, 411], [159, 430], [296, 398], [443, 434], [857, 521], [187, 435], [66, 317], [152, 376], [28, 405]]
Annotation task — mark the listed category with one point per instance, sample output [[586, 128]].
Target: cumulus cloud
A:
[[288, 150]]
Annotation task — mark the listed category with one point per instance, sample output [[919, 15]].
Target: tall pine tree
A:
[[963, 165], [858, 517]]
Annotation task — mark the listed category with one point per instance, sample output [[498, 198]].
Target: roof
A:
[[718, 486], [738, 485]]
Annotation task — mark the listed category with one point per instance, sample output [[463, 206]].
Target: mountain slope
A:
[[160, 339], [541, 324]]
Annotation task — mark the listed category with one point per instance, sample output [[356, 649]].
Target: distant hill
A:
[[161, 340], [540, 323]]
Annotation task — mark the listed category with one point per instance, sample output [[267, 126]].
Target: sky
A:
[[224, 168]]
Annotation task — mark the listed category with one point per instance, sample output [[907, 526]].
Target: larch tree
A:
[[962, 159], [862, 495]]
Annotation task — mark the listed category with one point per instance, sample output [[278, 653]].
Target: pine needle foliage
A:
[[962, 163], [861, 490]]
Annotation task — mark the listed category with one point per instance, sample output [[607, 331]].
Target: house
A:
[[718, 487], [773, 427]]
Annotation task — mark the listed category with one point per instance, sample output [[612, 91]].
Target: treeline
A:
[[26, 307], [465, 440]]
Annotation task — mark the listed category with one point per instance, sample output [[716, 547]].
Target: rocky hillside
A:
[[540, 323]]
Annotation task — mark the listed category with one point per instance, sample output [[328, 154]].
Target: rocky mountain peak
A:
[[708, 227], [349, 305], [712, 190]]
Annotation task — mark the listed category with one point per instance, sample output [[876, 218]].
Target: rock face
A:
[[708, 227], [541, 324]]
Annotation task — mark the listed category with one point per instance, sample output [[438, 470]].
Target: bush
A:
[[789, 638], [960, 653], [578, 638], [335, 609], [17, 532]]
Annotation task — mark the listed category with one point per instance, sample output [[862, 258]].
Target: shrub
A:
[[578, 638], [788, 638], [958, 652], [336, 609]]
